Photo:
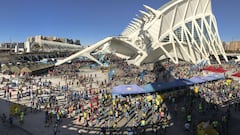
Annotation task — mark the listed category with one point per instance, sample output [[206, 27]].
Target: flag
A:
[[144, 72], [111, 73]]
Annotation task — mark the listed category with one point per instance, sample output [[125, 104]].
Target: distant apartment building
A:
[[51, 43], [12, 45], [42, 44], [38, 38], [233, 46]]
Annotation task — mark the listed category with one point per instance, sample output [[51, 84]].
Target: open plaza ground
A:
[[73, 100]]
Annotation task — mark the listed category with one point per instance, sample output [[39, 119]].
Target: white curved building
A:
[[179, 30]]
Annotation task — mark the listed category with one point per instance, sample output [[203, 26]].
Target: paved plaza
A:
[[167, 73], [34, 119]]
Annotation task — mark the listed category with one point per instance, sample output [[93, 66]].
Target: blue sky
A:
[[92, 20]]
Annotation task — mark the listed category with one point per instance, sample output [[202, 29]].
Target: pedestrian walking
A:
[[56, 129]]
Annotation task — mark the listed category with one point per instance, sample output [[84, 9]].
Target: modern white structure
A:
[[179, 30]]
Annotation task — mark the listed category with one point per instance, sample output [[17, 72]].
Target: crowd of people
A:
[[85, 96]]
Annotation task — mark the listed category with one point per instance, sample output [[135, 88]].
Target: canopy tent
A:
[[220, 70], [217, 76], [149, 88], [173, 84], [181, 82], [158, 86], [215, 69], [127, 90], [202, 79], [211, 77], [197, 79], [186, 81], [161, 86], [236, 74], [208, 78], [209, 68]]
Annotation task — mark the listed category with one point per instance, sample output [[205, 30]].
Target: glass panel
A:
[[208, 19], [184, 38], [196, 37], [206, 33], [166, 39], [189, 37], [213, 28], [206, 46], [189, 26], [199, 22], [178, 33]]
